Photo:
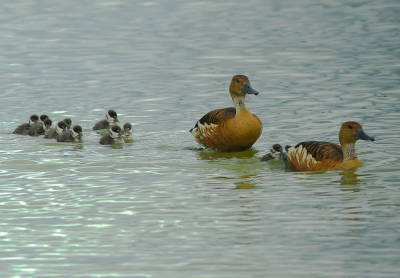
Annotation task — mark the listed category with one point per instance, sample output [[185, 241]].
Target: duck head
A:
[[240, 86], [350, 132], [76, 132], [68, 121], [112, 117], [115, 131], [61, 127], [33, 119], [47, 124]]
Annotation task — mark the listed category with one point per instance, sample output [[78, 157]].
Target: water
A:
[[162, 207]]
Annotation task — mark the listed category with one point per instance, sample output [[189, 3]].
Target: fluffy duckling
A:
[[127, 132], [73, 135], [113, 136], [39, 127], [46, 125], [323, 156], [24, 128], [111, 118], [54, 133], [230, 129]]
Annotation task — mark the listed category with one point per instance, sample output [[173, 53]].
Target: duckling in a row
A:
[[24, 128], [62, 134], [55, 132], [323, 156], [38, 128], [127, 132], [42, 126], [114, 136], [73, 135], [111, 118]]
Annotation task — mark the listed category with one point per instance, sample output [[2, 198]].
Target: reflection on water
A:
[[247, 184], [243, 168], [212, 155], [349, 180]]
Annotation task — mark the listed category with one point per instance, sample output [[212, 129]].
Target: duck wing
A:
[[217, 116], [321, 151]]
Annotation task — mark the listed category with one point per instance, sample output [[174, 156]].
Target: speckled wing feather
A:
[[216, 116], [322, 150]]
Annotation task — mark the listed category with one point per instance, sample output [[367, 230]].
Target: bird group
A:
[[115, 135], [63, 131], [237, 129], [227, 129]]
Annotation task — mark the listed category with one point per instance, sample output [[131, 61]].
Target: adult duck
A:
[[323, 156], [230, 129]]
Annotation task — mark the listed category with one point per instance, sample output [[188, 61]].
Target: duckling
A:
[[230, 129], [24, 128], [68, 121], [324, 156], [111, 118], [42, 130], [127, 133], [75, 134], [113, 136], [39, 127], [54, 133]]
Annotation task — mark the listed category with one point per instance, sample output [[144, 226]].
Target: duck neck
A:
[[239, 103], [349, 151]]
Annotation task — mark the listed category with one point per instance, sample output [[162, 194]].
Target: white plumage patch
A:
[[202, 131], [114, 134], [205, 130], [59, 130], [300, 156]]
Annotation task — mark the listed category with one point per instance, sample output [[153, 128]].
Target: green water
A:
[[160, 206]]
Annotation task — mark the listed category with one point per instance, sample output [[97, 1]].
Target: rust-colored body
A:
[[324, 156], [230, 129]]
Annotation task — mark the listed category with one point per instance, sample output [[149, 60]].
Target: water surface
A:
[[160, 206]]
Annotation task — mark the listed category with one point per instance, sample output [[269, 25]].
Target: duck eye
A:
[[237, 81], [350, 127]]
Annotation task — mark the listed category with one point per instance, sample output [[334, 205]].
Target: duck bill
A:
[[361, 135], [248, 89]]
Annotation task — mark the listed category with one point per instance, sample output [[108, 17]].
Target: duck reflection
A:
[[243, 165], [349, 180], [246, 184], [78, 146], [211, 155]]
